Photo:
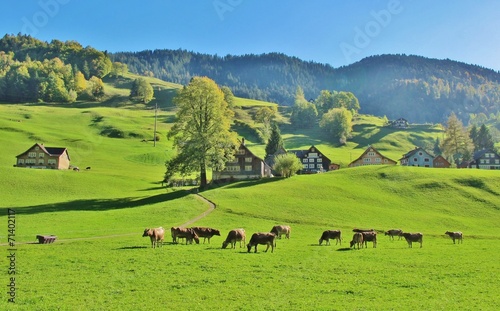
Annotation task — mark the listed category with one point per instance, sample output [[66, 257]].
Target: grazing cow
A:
[[187, 233], [235, 235], [264, 238], [394, 232], [206, 233], [280, 230], [357, 238], [331, 234], [88, 168], [457, 235], [413, 237], [156, 235], [370, 236], [362, 230]]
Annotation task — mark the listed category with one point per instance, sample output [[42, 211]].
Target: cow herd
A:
[[359, 240]]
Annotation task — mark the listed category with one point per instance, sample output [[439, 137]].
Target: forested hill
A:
[[416, 88]]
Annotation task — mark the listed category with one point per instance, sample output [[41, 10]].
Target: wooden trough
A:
[[46, 239]]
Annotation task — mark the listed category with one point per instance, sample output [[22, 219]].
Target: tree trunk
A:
[[203, 176]]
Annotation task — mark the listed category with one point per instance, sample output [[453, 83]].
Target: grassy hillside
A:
[[100, 260]]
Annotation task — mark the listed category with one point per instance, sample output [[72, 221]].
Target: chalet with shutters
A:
[[399, 123], [372, 156], [417, 157], [486, 159], [39, 156], [245, 165], [313, 161]]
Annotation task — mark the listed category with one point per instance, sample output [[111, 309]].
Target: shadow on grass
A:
[[99, 204], [344, 249], [132, 247], [250, 183]]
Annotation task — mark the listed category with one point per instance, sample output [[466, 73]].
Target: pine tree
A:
[[275, 142]]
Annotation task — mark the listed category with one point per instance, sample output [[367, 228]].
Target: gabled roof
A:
[[242, 144], [369, 149], [412, 152], [479, 154], [302, 153], [51, 151]]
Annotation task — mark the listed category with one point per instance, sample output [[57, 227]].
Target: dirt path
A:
[[189, 222]]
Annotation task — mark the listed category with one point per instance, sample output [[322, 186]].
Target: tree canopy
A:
[[201, 131], [457, 144], [141, 91]]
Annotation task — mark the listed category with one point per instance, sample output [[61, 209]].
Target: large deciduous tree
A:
[[337, 122], [304, 113], [141, 91], [201, 131], [457, 144]]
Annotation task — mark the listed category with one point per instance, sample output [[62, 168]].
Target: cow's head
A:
[[249, 247], [216, 232], [352, 243], [147, 232], [224, 244]]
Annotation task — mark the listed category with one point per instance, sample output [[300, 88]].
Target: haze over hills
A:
[[417, 88]]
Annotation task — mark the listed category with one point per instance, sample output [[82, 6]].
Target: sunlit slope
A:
[[379, 197]]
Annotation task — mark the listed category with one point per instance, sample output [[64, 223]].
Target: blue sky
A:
[[326, 31]]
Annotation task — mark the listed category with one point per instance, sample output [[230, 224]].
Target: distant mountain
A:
[[416, 88]]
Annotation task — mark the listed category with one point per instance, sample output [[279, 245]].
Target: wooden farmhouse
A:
[[486, 159], [313, 161], [440, 162], [399, 123], [372, 156], [39, 156], [245, 165]]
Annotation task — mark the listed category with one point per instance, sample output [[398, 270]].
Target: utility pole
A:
[[154, 137]]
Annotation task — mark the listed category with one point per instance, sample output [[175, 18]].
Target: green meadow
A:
[[100, 261]]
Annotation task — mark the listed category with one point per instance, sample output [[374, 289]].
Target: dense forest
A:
[[32, 70], [416, 88]]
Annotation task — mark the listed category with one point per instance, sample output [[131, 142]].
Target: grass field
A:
[[101, 262]]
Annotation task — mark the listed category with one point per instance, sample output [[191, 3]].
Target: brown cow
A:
[[264, 238], [280, 230], [234, 236], [394, 232], [206, 233], [370, 236], [156, 235], [187, 233], [413, 237], [457, 235], [331, 234], [357, 238]]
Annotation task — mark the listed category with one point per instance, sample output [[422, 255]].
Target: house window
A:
[[367, 160], [51, 161], [20, 161], [426, 160], [319, 166], [385, 161], [241, 151], [248, 168], [320, 160], [313, 155], [311, 165], [415, 160], [248, 160], [305, 166], [497, 161], [304, 160], [41, 155], [377, 160], [420, 153], [32, 155], [311, 160], [371, 154], [30, 161], [483, 161], [41, 161]]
